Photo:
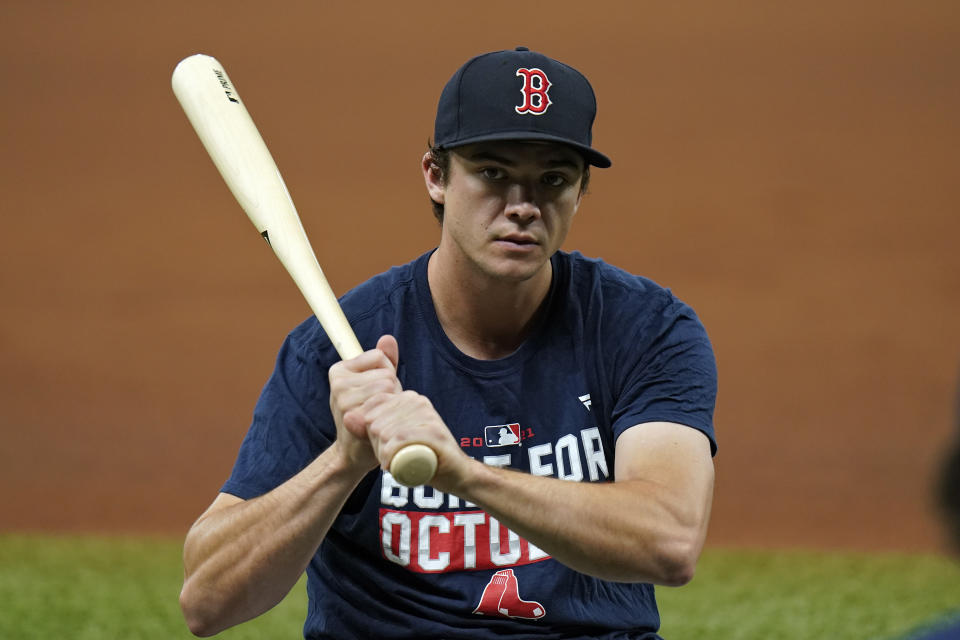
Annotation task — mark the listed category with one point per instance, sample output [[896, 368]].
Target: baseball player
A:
[[570, 405]]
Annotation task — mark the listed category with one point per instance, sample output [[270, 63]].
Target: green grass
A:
[[86, 588], [742, 595]]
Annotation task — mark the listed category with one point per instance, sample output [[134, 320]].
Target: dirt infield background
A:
[[792, 173]]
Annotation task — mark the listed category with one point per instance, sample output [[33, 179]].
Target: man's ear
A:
[[433, 178]]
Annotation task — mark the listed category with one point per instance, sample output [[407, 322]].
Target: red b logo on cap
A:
[[535, 87]]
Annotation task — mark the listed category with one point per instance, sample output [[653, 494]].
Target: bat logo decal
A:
[[227, 89]]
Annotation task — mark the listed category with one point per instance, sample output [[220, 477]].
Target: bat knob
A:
[[414, 465]]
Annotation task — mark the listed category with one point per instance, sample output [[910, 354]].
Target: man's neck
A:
[[485, 318]]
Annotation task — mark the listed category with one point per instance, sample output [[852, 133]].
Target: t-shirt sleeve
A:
[[291, 423], [668, 374]]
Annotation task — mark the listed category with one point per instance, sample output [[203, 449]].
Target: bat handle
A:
[[414, 465]]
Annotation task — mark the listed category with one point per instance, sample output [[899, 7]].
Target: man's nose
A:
[[522, 204]]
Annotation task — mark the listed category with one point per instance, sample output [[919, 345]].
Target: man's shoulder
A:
[[365, 306], [616, 298], [599, 277], [381, 289]]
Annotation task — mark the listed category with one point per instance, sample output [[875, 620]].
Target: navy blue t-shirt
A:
[[612, 351]]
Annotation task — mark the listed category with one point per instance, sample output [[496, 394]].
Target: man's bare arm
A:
[[647, 526], [241, 557]]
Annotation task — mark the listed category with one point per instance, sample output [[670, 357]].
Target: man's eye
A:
[[554, 180], [493, 173]]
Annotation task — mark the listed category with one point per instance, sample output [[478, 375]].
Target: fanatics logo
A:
[[502, 435], [534, 90]]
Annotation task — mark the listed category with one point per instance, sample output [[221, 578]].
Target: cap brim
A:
[[592, 156]]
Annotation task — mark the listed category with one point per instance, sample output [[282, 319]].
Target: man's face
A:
[[508, 205]]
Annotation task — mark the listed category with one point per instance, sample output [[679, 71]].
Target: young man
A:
[[569, 403]]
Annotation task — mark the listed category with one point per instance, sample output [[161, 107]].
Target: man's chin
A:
[[514, 269]]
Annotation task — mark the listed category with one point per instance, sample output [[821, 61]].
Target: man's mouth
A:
[[520, 240]]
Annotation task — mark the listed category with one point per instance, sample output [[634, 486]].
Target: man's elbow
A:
[[677, 574], [676, 563], [669, 564], [197, 613]]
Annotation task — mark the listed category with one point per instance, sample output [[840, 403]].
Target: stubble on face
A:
[[508, 207]]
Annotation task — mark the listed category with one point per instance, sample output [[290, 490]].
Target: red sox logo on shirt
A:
[[501, 597], [534, 90]]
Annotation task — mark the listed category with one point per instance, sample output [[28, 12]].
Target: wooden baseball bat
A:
[[226, 129]]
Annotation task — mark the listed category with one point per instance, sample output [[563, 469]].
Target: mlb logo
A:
[[502, 435]]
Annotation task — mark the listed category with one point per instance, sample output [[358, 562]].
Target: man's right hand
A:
[[352, 384]]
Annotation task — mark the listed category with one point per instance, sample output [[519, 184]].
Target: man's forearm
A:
[[628, 531], [242, 557]]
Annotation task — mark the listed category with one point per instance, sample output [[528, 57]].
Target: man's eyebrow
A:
[[552, 163]]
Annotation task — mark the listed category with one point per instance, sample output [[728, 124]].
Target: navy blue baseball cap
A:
[[518, 94]]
